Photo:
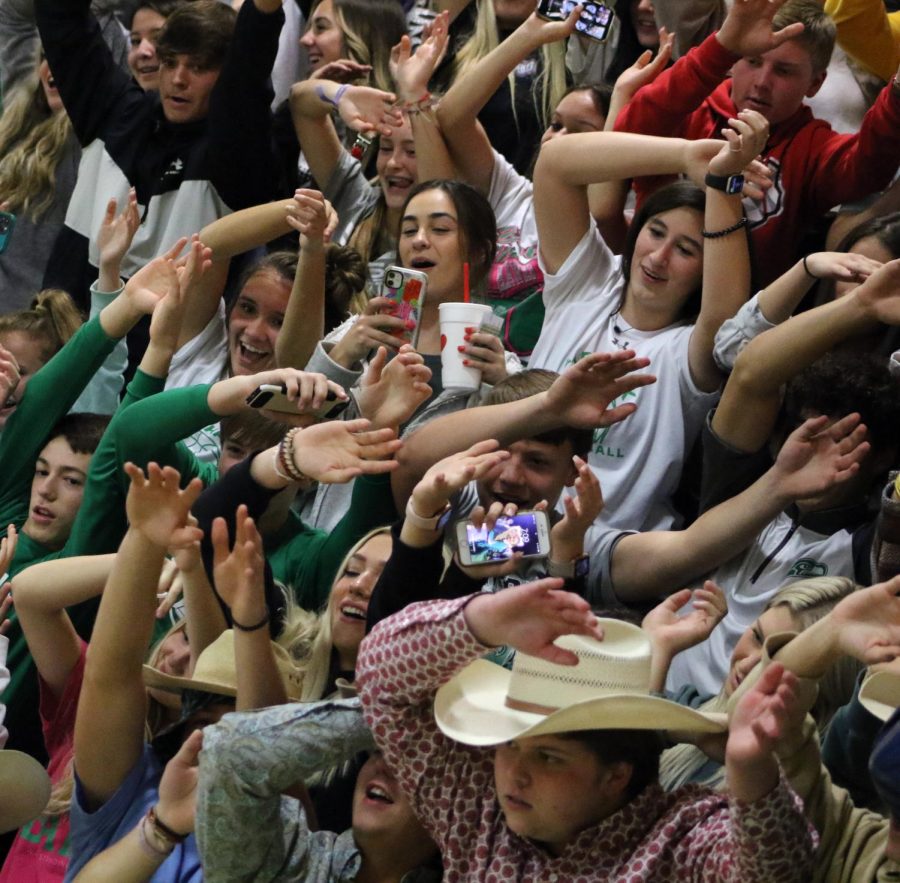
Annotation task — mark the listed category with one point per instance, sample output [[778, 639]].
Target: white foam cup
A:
[[455, 318]]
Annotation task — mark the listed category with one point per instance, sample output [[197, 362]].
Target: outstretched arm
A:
[[579, 397], [304, 319], [43, 592], [458, 111], [814, 458], [749, 405], [726, 259], [113, 699], [568, 165], [411, 72]]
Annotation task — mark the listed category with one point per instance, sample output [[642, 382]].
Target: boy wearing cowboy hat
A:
[[549, 803]]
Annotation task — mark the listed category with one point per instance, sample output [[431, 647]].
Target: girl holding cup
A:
[[444, 226]]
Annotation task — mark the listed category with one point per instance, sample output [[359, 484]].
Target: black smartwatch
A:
[[730, 184]]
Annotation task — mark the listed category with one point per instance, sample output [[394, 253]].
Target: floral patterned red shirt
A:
[[691, 834]]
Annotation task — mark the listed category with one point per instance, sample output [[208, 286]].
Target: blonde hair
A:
[[32, 142], [550, 85], [808, 600], [372, 237], [52, 319], [307, 636]]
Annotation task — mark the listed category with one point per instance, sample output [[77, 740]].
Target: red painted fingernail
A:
[[410, 324], [470, 330], [462, 349]]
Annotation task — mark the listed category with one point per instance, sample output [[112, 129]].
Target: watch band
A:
[[731, 184], [420, 521], [577, 568]]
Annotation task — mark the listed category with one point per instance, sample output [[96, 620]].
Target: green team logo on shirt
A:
[[807, 567], [600, 447]]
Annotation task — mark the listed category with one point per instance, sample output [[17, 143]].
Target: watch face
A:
[[734, 184]]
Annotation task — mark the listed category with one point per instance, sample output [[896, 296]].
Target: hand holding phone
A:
[[595, 21], [273, 397], [406, 291], [526, 533]]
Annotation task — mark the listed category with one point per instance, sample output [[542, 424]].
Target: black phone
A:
[[273, 397], [595, 21]]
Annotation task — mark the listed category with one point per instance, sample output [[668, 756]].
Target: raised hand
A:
[[747, 29], [158, 509], [582, 394], [154, 280], [453, 473], [745, 138], [308, 215], [761, 717], [343, 70], [389, 395], [9, 374], [672, 631], [841, 266], [866, 624], [307, 388], [238, 572], [879, 295], [646, 69], [412, 71], [178, 786], [365, 109], [339, 450], [531, 617], [816, 456], [581, 510], [117, 233]]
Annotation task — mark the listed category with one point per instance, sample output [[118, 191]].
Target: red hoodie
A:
[[814, 167]]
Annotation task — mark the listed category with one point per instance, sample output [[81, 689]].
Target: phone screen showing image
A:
[[518, 533], [595, 20]]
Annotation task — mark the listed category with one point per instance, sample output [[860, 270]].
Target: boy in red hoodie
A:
[[776, 54]]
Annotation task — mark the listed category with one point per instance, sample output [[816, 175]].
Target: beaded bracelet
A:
[[718, 234], [289, 469], [276, 458]]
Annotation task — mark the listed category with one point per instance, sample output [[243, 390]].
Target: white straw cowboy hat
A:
[[880, 693], [215, 671], [609, 689], [24, 789]]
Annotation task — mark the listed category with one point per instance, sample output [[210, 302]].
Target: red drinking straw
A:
[[466, 282]]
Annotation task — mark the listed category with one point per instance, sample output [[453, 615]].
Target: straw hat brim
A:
[[172, 684], [880, 693], [24, 789], [470, 708]]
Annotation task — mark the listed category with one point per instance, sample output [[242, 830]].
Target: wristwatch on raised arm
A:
[[730, 184]]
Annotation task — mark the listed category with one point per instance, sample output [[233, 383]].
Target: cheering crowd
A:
[[439, 444]]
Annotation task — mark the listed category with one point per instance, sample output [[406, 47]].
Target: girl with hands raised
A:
[[652, 307]]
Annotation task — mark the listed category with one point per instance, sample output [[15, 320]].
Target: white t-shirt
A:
[[203, 359], [639, 460], [783, 553]]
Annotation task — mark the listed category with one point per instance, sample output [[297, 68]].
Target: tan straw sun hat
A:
[[609, 689], [24, 789], [215, 671]]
